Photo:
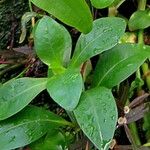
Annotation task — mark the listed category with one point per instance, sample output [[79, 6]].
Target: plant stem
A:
[[112, 11], [72, 116], [145, 68], [134, 133], [30, 5], [140, 37], [141, 6], [146, 72]]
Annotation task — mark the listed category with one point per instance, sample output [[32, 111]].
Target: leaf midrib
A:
[[111, 70], [80, 54], [24, 91], [94, 111], [35, 121]]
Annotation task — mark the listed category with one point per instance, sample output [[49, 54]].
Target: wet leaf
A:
[[66, 88], [52, 43], [18, 93], [139, 20], [96, 114], [27, 126], [101, 3], [104, 35], [118, 64], [75, 13]]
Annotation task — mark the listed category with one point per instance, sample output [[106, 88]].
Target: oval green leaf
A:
[[101, 3], [139, 20], [66, 88], [97, 116], [75, 13], [104, 35], [18, 93], [52, 43], [118, 64], [27, 126]]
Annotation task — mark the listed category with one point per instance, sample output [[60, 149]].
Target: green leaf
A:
[[52, 42], [66, 89], [75, 13], [101, 3], [117, 3], [2, 66], [119, 63], [27, 126], [97, 116], [136, 84], [53, 140], [18, 93], [104, 35], [139, 20], [24, 20], [146, 125]]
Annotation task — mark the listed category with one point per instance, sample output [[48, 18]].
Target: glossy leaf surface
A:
[[118, 64], [18, 93], [104, 35], [65, 89], [52, 43], [101, 3], [96, 114], [139, 20], [75, 13], [53, 140], [27, 126]]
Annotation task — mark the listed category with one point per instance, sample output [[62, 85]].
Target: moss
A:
[[11, 12]]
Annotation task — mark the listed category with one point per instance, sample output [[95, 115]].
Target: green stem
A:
[[30, 6], [134, 132], [142, 4], [140, 37], [146, 72], [133, 128], [112, 11], [72, 117]]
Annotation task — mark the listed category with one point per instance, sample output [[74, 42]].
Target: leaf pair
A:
[[96, 112], [74, 13], [66, 87], [27, 126], [52, 42]]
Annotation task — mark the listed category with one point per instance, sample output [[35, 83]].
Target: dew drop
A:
[[113, 117], [129, 65], [105, 120]]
